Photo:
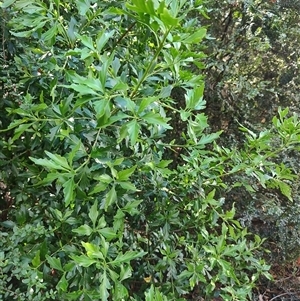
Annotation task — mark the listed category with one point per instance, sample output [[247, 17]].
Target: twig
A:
[[281, 296]]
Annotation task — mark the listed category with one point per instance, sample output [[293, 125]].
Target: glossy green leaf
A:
[[62, 284], [127, 186], [124, 174], [82, 89], [48, 164], [127, 257], [94, 213], [125, 272], [86, 41], [83, 260], [83, 6], [131, 207], [104, 286], [108, 233], [98, 188], [54, 263], [83, 230], [69, 191], [168, 19], [110, 198], [36, 261], [59, 160], [102, 39], [92, 250], [133, 129], [50, 33], [101, 107], [120, 291], [156, 119], [194, 98], [145, 103]]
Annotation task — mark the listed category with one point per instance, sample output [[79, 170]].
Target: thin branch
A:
[[281, 296]]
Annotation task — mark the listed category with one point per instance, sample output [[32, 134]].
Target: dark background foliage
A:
[[252, 69]]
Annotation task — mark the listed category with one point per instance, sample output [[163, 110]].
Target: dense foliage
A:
[[112, 183]]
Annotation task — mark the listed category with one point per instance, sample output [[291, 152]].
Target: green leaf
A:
[[124, 174], [36, 261], [285, 189], [168, 19], [72, 30], [7, 3], [110, 198], [145, 103], [108, 233], [104, 286], [104, 246], [82, 89], [62, 161], [138, 6], [15, 123], [104, 178], [93, 214], [48, 164], [69, 188], [102, 39], [62, 284], [101, 107], [196, 37], [86, 41], [126, 257], [131, 207], [156, 119], [205, 139], [127, 185], [83, 260], [54, 263], [92, 250], [153, 294], [125, 272], [22, 34], [83, 230], [120, 291], [50, 33], [20, 130], [98, 188], [83, 6], [194, 98], [133, 130]]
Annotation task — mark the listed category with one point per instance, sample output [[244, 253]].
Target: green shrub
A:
[[100, 212]]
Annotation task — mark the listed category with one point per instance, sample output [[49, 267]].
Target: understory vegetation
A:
[[121, 176]]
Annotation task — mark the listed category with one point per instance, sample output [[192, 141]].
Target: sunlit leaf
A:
[[83, 260], [83, 230], [36, 259]]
